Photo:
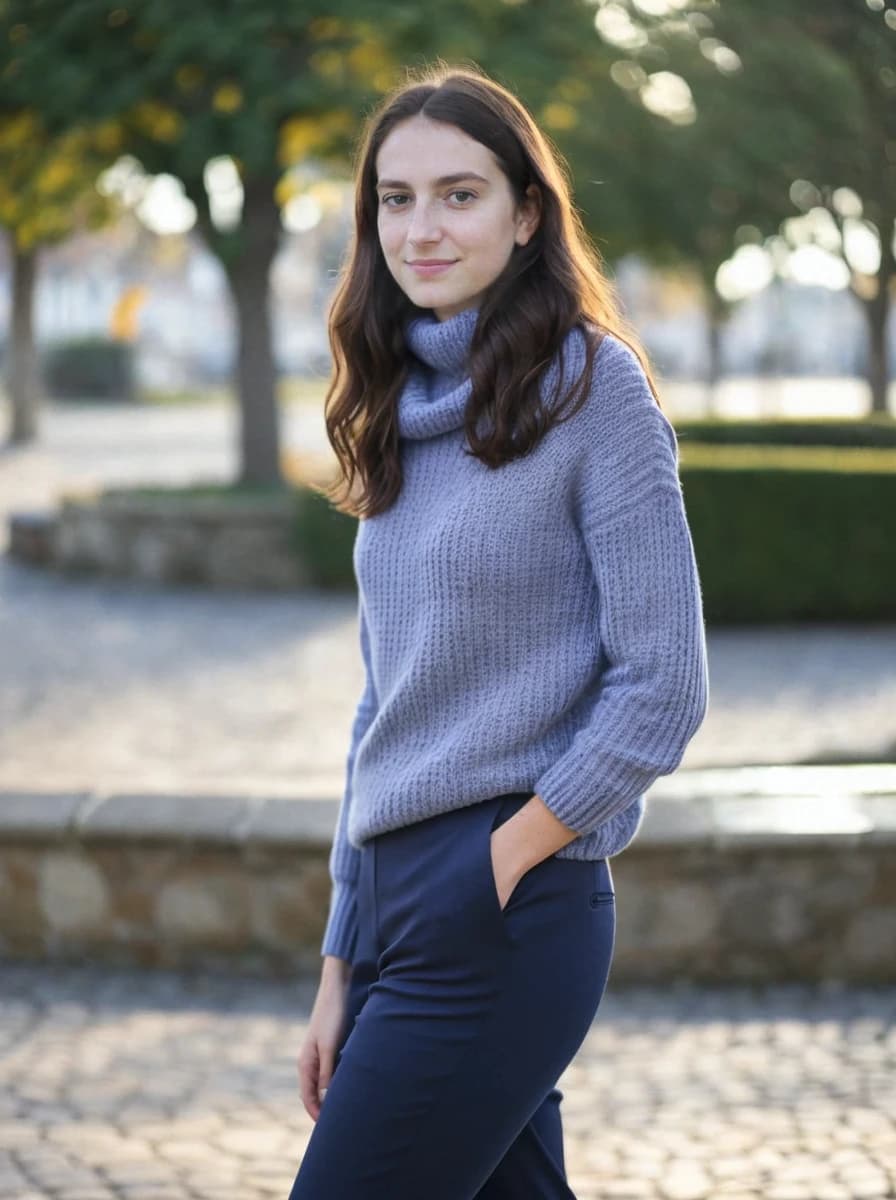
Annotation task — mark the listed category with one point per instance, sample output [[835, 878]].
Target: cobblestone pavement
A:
[[108, 685], [116, 1083]]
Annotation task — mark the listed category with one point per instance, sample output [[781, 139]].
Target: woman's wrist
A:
[[335, 971], [532, 834]]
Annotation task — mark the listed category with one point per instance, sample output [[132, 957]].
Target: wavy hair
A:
[[549, 286]]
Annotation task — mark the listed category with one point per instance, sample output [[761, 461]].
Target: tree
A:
[[266, 84], [794, 111], [848, 165], [263, 84], [46, 192]]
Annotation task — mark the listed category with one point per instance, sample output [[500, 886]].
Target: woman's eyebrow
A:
[[442, 181]]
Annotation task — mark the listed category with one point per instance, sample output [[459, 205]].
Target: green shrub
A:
[[780, 533], [793, 535], [324, 537], [876, 430], [90, 368]]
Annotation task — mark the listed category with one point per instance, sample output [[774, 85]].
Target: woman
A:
[[531, 626]]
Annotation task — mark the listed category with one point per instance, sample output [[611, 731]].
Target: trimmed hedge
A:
[[793, 535], [876, 430], [780, 533], [324, 537]]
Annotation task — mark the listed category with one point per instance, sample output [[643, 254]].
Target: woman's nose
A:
[[424, 226]]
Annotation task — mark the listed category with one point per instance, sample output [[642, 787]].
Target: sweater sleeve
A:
[[654, 688], [341, 930]]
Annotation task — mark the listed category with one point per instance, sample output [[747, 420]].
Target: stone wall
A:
[[217, 541], [162, 880]]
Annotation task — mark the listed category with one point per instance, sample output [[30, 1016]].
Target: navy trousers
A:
[[461, 1018]]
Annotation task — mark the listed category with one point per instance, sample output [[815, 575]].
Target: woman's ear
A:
[[528, 214]]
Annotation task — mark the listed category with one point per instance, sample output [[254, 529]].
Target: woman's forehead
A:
[[419, 151]]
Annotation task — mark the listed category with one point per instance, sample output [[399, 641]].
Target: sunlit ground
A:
[[745, 397], [749, 397]]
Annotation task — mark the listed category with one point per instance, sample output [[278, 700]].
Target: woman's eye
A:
[[462, 192]]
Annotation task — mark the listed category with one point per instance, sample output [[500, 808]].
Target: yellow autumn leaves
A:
[[45, 182]]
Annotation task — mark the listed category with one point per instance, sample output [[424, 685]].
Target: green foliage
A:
[[867, 459], [790, 102], [271, 82], [91, 368], [795, 535], [47, 181], [200, 80], [239, 493], [324, 538], [788, 544], [870, 431]]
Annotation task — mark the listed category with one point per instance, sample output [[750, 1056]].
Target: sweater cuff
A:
[[341, 933], [561, 790]]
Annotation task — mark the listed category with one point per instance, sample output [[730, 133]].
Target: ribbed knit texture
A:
[[538, 627]]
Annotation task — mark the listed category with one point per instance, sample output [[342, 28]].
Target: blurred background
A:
[[177, 600], [176, 191], [179, 662], [177, 605]]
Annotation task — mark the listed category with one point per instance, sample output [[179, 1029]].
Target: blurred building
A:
[[185, 326]]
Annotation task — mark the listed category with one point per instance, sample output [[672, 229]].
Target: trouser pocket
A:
[[436, 896]]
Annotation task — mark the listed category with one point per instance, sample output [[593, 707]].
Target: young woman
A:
[[531, 624]]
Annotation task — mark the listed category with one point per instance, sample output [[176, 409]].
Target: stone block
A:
[[150, 555], [23, 922], [280, 820], [219, 541], [761, 820], [286, 913], [204, 906], [73, 892], [871, 935], [677, 821], [32, 537], [39, 816], [166, 818]]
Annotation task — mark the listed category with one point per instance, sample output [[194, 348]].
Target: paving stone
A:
[[735, 1168], [90, 1193], [12, 1182], [220, 1114], [867, 1187], [626, 1189], [789, 1191]]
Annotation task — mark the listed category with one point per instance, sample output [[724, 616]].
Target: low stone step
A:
[[752, 874]]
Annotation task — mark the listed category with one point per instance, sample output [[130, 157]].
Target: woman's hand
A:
[[506, 871], [318, 1051], [519, 844]]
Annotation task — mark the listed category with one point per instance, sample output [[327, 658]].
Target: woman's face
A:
[[446, 215]]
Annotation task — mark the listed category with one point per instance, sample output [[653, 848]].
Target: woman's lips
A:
[[430, 268]]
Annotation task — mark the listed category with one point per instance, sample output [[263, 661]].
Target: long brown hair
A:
[[552, 284]]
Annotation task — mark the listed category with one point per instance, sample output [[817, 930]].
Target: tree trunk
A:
[[715, 317], [22, 374], [256, 377], [877, 310]]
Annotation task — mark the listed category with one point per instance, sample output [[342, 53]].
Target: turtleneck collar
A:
[[442, 345], [438, 385]]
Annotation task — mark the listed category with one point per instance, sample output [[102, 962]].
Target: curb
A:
[[757, 874], [717, 806]]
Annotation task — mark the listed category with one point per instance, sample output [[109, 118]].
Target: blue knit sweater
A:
[[538, 627]]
